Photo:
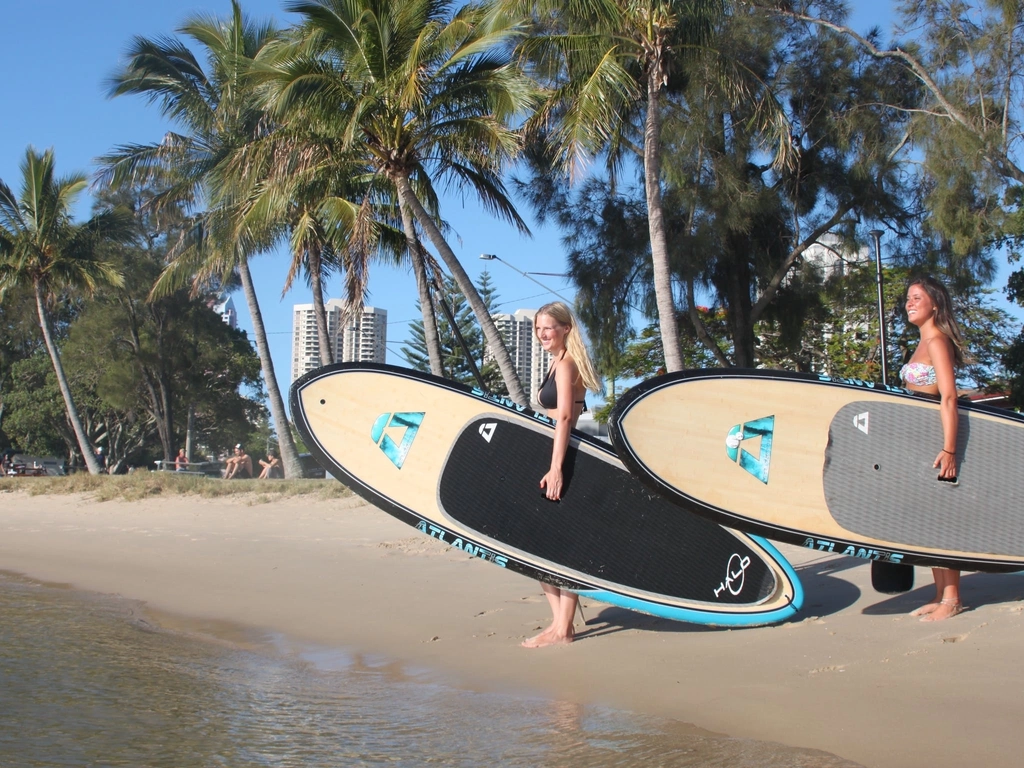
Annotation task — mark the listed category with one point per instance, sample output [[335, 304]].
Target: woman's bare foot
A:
[[946, 609], [925, 609], [549, 637]]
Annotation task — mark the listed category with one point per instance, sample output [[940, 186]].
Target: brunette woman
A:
[[931, 370]]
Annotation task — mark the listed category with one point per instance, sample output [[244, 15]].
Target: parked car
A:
[[311, 467]]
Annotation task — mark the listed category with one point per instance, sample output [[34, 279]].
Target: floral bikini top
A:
[[919, 374]]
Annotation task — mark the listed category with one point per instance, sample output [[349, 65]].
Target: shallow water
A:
[[89, 680]]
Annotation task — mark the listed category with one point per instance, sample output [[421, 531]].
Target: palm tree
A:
[[219, 111], [299, 180], [609, 64], [423, 95], [40, 247], [312, 249]]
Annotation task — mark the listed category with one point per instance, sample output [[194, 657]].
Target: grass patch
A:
[[146, 485]]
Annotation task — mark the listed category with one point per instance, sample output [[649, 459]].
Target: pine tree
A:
[[453, 357]]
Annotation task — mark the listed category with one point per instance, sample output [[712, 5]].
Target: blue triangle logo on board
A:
[[764, 429], [409, 421]]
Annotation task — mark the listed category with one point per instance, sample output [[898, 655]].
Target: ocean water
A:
[[89, 680]]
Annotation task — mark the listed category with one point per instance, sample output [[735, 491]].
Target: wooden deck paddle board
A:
[[834, 465], [464, 467]]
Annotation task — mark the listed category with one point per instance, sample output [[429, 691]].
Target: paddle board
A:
[[832, 464], [464, 467]]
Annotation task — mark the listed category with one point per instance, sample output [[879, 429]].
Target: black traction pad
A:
[[879, 480], [607, 524]]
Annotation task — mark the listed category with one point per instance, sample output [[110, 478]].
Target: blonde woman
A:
[[563, 395], [932, 370]]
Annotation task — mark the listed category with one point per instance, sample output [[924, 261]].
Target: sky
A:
[[59, 54], [65, 51]]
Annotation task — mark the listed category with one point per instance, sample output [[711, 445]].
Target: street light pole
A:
[[458, 334], [876, 234], [495, 257], [888, 578]]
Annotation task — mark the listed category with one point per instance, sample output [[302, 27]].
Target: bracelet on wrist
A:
[[951, 453]]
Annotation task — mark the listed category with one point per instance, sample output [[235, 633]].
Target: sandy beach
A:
[[853, 675]]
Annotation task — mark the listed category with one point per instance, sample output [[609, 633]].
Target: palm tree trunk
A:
[[319, 310], [406, 197], [62, 381], [190, 428], [167, 399], [289, 455], [419, 268], [656, 223]]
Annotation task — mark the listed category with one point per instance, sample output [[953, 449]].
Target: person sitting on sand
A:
[[239, 465], [271, 466]]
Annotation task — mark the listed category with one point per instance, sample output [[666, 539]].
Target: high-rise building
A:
[[832, 257], [528, 356], [363, 340], [305, 340], [225, 307]]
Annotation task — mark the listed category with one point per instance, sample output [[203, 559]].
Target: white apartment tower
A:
[[225, 307], [528, 356], [364, 340], [833, 258]]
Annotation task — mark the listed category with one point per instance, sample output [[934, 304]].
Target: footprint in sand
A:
[[533, 599], [831, 668], [414, 545]]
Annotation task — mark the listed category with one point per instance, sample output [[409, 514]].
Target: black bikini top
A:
[[548, 395]]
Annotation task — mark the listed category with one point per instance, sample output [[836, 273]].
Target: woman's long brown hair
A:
[[944, 319]]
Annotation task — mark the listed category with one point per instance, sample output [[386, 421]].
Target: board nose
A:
[[321, 409]]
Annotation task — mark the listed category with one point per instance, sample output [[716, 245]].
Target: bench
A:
[[199, 468], [21, 470]]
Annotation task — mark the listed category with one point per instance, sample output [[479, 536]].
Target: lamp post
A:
[[876, 235], [527, 275], [458, 334], [888, 578]]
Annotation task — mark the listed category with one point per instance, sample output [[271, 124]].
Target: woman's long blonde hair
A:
[[944, 319], [573, 342]]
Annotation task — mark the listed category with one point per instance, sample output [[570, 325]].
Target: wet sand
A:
[[853, 675]]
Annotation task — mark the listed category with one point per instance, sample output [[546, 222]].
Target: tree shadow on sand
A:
[[824, 594], [976, 590]]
